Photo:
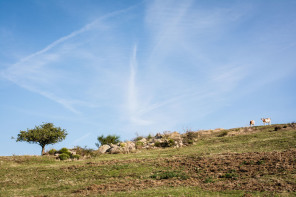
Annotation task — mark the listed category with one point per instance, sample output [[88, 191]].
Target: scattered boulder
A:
[[122, 147], [143, 140], [167, 139], [115, 149], [103, 149], [130, 147]]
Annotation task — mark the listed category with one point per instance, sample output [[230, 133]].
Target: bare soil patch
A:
[[264, 171]]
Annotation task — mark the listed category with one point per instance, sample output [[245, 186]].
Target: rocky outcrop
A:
[[177, 138], [115, 149], [104, 148], [122, 147], [168, 139], [130, 147]]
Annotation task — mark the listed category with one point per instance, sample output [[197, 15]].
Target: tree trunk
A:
[[43, 150]]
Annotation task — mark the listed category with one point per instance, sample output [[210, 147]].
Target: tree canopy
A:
[[43, 135], [110, 139]]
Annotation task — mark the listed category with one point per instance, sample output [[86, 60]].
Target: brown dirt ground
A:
[[267, 171]]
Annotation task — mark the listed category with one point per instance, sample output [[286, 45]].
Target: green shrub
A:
[[75, 157], [157, 144], [292, 125], [190, 142], [248, 162], [229, 176], [149, 137], [209, 180], [223, 133], [165, 144], [171, 142], [52, 151], [64, 156], [86, 152], [189, 137], [64, 150], [139, 145], [138, 138], [122, 144], [169, 174], [277, 128], [110, 139], [259, 162]]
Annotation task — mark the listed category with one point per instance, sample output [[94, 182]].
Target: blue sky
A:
[[141, 67]]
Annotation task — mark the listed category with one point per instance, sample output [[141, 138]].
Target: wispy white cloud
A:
[[75, 142], [37, 72], [170, 87], [134, 105], [183, 68]]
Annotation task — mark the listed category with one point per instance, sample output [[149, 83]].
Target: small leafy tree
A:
[[110, 139], [43, 135]]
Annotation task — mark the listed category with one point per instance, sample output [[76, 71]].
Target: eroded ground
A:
[[267, 171]]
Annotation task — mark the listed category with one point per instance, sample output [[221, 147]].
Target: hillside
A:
[[258, 161]]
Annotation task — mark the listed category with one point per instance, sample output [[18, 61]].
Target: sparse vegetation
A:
[[292, 125], [209, 180], [139, 145], [85, 152], [223, 133], [157, 144], [64, 156], [52, 151], [169, 174], [149, 137], [138, 138], [229, 175], [189, 137], [75, 157], [277, 128], [65, 151], [258, 162]]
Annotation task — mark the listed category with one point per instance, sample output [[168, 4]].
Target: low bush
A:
[[157, 144], [52, 151], [85, 152], [229, 176], [260, 162], [139, 145], [171, 142], [277, 128], [209, 180], [189, 137], [165, 143], [64, 156], [138, 138], [292, 125], [75, 157], [223, 133], [169, 174], [64, 150], [122, 144], [149, 137]]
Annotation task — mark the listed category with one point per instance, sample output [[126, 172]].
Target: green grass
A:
[[45, 176], [180, 191]]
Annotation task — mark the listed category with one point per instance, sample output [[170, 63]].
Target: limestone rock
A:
[[130, 147], [103, 149], [115, 149]]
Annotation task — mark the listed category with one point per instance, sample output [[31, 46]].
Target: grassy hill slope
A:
[[258, 161]]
